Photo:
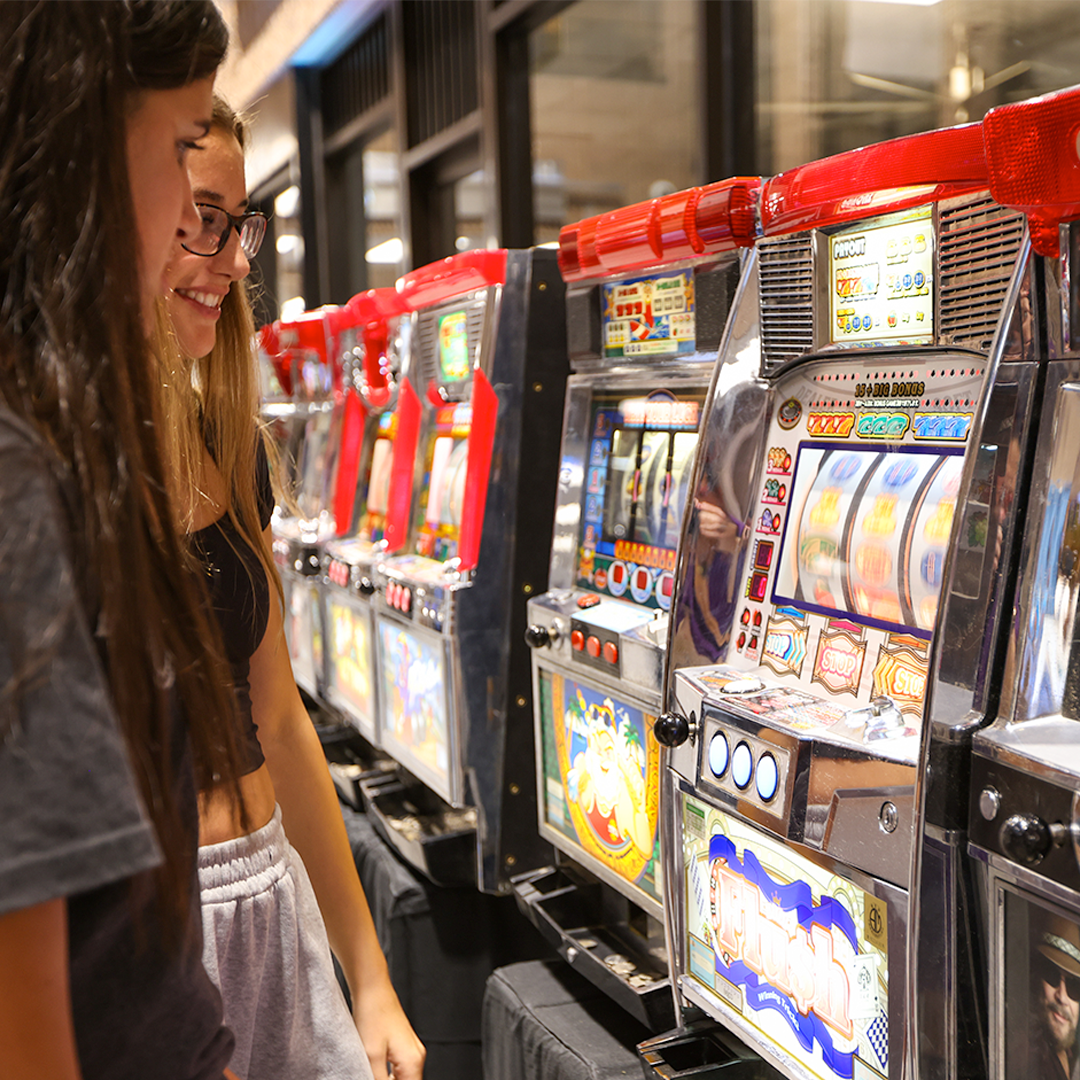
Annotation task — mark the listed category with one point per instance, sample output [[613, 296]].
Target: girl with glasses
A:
[[266, 941], [110, 682]]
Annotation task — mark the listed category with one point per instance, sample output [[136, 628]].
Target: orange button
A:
[[593, 646], [611, 652], [577, 640]]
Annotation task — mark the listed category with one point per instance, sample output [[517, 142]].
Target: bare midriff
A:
[[219, 820]]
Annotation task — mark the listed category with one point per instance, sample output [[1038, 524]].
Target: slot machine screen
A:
[[868, 533], [443, 490], [640, 457], [316, 457], [454, 363], [303, 632], [881, 280], [414, 694], [601, 781], [349, 676], [373, 488]]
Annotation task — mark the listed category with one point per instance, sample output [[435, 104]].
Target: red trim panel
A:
[[685, 225], [1034, 162], [485, 408], [876, 179], [453, 276], [352, 440], [399, 499], [270, 342]]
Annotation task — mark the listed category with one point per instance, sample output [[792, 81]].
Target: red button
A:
[[577, 640], [611, 652], [406, 599], [593, 646]]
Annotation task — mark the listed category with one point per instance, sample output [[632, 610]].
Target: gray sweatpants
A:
[[265, 948]]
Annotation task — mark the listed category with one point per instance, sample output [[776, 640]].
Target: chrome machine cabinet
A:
[[649, 290], [866, 427], [309, 345], [489, 366], [1025, 806], [375, 467]]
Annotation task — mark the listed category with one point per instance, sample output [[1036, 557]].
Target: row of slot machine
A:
[[758, 689], [414, 423]]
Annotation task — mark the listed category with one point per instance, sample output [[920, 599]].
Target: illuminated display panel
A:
[[349, 682], [601, 780], [881, 281], [454, 363], [443, 490], [649, 316], [414, 703], [800, 953], [373, 486], [640, 457], [868, 532], [313, 473], [303, 632]]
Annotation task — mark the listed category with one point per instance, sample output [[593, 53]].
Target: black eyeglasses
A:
[[216, 223], [1052, 975]]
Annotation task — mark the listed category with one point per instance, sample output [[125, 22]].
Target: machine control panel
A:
[[621, 640], [423, 605], [595, 646], [1026, 818], [745, 767]]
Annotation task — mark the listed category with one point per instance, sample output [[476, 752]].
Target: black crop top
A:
[[240, 593]]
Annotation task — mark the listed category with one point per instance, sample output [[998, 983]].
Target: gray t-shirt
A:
[[71, 820]]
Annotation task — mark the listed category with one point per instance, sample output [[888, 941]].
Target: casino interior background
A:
[[389, 134]]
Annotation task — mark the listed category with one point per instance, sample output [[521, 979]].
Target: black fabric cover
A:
[[543, 1021], [441, 945]]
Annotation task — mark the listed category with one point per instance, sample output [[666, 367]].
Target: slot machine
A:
[[841, 595], [375, 462], [277, 406], [465, 545], [308, 343], [1025, 772], [649, 289]]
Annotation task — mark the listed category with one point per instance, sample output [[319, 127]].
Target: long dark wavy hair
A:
[[74, 363]]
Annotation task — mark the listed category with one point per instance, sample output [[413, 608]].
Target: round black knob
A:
[[537, 636], [366, 586], [671, 729], [1026, 839]]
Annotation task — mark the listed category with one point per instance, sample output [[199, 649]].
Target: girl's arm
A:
[[314, 825], [37, 1034]]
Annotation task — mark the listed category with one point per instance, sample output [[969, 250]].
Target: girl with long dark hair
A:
[[109, 676]]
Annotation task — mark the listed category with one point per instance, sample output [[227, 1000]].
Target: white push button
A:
[[718, 754], [742, 765], [768, 777]]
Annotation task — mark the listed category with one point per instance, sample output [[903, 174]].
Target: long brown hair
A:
[[75, 364]]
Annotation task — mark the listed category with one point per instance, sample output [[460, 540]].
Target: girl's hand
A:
[[391, 1044]]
